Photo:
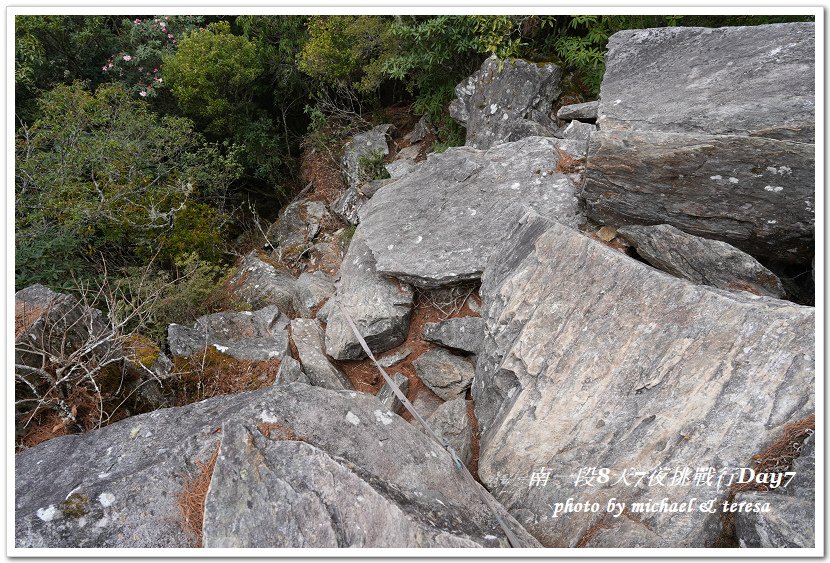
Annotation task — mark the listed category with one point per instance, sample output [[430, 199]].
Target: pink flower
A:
[[137, 21], [127, 58], [170, 35], [155, 70], [110, 65], [104, 67], [142, 94], [166, 18], [164, 30], [174, 41]]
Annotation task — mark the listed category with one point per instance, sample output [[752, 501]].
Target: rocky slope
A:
[[576, 301]]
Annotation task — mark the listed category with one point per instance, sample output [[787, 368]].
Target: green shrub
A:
[[347, 50], [106, 178], [370, 166]]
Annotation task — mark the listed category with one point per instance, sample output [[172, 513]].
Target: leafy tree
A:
[[142, 48], [347, 50], [101, 176], [213, 76], [50, 50]]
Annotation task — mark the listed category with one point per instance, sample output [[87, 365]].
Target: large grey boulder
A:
[[379, 306], [506, 100], [299, 466], [790, 519], [307, 335], [446, 374], [702, 261], [595, 360], [48, 323], [438, 224], [298, 225], [259, 335], [756, 81], [361, 145], [258, 283], [315, 288], [460, 333], [756, 194]]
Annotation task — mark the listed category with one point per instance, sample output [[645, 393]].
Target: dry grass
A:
[[277, 431], [25, 316], [780, 454], [191, 500], [213, 373], [567, 164]]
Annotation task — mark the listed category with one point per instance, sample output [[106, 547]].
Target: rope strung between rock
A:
[[511, 537]]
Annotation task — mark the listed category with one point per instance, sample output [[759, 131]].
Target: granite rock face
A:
[[592, 359], [307, 335], [258, 335], [379, 306], [756, 194], [446, 374], [755, 80], [506, 101], [461, 333], [438, 225], [579, 130], [259, 284], [124, 479], [702, 261]]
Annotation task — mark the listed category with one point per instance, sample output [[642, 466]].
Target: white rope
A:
[[511, 537]]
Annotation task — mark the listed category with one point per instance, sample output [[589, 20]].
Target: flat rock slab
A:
[[756, 194], [307, 335], [379, 306], [126, 478], [446, 374], [258, 335], [586, 111], [259, 284], [754, 80], [593, 359], [438, 225], [506, 100], [461, 333], [702, 261]]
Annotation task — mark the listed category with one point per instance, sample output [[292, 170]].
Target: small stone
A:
[[606, 233], [461, 333], [390, 360], [388, 397], [448, 375], [586, 111]]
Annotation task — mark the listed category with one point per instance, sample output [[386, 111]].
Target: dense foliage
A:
[[140, 138]]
